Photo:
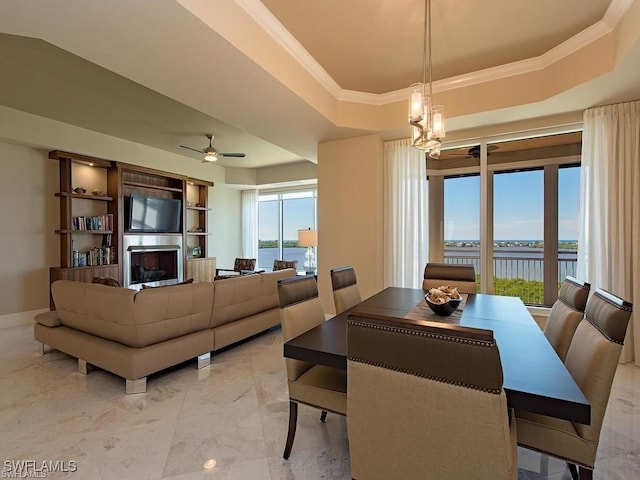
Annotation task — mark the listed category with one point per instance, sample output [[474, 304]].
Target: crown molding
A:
[[263, 17], [270, 24]]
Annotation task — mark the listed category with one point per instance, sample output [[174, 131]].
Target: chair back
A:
[[463, 277], [345, 288], [566, 314], [244, 264], [426, 401], [300, 310], [282, 264], [594, 354]]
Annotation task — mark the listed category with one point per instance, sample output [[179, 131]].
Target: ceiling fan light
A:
[[210, 156]]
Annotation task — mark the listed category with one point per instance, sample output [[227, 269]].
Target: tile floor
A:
[[234, 411]]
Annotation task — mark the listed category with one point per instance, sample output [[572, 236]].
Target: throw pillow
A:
[[108, 281]]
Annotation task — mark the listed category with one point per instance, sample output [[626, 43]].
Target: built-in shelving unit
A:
[[93, 198]]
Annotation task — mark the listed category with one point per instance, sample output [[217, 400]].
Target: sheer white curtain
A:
[[609, 237], [405, 212], [250, 224]]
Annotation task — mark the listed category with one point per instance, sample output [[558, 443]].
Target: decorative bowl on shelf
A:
[[80, 190], [99, 193]]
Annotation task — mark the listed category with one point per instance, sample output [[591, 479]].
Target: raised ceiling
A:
[[273, 79]]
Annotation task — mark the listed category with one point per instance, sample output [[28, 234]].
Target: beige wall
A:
[[28, 218], [350, 220]]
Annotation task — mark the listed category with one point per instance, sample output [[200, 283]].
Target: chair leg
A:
[[293, 420], [585, 473], [323, 416], [573, 470]]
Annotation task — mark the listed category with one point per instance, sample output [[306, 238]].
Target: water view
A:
[[518, 265]]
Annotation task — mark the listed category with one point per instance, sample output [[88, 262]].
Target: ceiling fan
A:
[[210, 153], [474, 151]]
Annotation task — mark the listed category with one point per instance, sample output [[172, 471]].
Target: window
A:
[[280, 216], [527, 237], [518, 232]]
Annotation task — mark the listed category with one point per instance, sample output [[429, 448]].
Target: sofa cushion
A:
[[245, 295], [135, 319], [235, 298], [48, 319]]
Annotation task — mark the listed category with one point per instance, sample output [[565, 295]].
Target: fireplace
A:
[[152, 260]]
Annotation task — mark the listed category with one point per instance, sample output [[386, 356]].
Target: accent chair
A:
[[282, 264], [240, 266]]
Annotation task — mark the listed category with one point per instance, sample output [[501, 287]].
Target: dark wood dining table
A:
[[535, 379]]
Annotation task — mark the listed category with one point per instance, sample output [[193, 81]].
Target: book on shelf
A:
[[97, 222]]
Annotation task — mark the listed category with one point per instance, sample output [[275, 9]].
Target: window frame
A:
[[486, 171]]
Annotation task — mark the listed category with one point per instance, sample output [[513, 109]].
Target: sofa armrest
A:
[[48, 319]]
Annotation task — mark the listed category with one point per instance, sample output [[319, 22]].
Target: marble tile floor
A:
[[234, 411]]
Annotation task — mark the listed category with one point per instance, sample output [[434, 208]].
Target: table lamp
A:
[[308, 238]]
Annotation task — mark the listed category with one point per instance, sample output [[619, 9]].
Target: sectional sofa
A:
[[136, 333]]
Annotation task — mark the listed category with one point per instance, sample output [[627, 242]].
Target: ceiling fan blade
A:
[[194, 149], [237, 155]]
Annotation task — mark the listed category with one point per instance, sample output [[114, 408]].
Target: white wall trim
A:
[[20, 318]]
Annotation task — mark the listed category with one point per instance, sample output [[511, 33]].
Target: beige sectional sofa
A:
[[136, 333]]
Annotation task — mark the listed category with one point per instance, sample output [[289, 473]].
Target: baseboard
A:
[[20, 318]]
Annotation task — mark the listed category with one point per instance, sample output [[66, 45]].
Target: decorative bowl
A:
[[443, 309]]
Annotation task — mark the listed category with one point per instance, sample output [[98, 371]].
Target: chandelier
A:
[[427, 121]]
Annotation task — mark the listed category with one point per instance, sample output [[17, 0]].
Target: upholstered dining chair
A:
[[591, 359], [282, 264], [426, 401], [463, 277], [345, 288], [566, 314], [240, 266], [315, 385]]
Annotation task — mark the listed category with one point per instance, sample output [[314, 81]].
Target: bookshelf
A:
[[93, 195]]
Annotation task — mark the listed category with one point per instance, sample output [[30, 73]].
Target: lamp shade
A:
[[307, 238]]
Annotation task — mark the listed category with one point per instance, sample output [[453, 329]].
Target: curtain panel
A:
[[609, 234], [405, 214], [249, 200]]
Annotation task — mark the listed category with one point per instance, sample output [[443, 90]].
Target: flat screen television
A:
[[154, 214]]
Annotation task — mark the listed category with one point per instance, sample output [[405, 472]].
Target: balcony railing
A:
[[517, 272]]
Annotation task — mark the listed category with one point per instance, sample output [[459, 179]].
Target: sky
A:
[[518, 206], [297, 215]]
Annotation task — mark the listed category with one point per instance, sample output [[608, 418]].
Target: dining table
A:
[[534, 378]]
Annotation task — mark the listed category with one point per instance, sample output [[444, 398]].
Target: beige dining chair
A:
[[315, 385], [345, 288], [592, 359], [463, 277], [566, 314], [426, 401]]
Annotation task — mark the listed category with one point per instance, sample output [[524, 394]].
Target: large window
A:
[[518, 233], [280, 216], [526, 238]]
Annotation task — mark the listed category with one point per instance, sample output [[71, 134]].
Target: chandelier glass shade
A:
[[427, 121]]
